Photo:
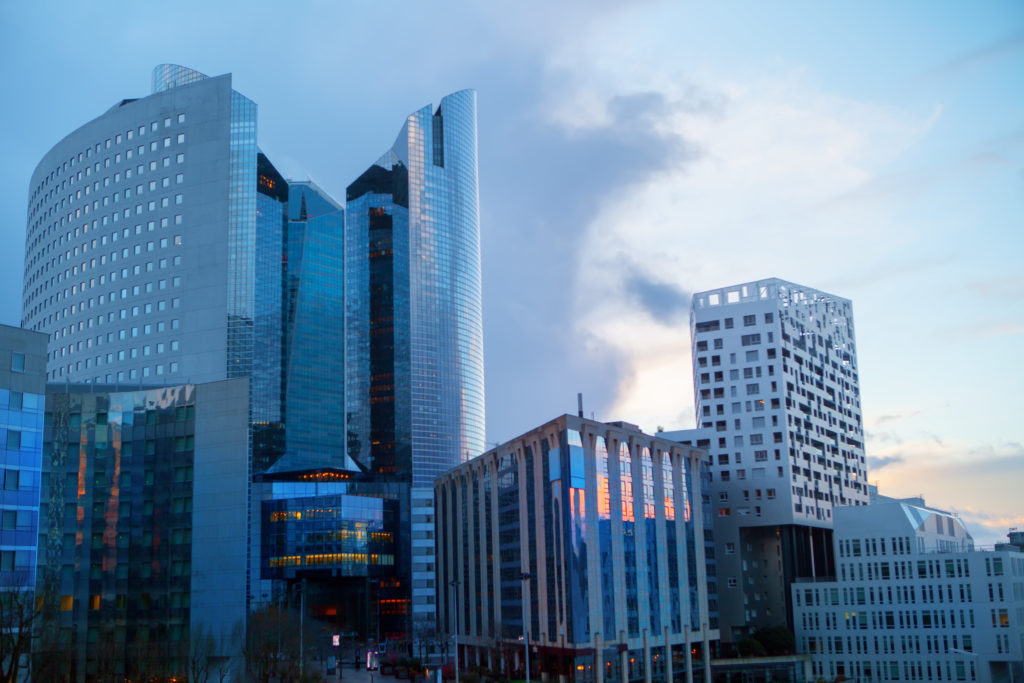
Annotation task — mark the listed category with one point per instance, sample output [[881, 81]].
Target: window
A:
[[13, 440], [17, 362], [12, 480], [749, 320]]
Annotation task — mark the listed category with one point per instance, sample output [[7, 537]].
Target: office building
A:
[[140, 250], [143, 523], [587, 541], [162, 248], [777, 396], [913, 600], [414, 351], [22, 386], [22, 389]]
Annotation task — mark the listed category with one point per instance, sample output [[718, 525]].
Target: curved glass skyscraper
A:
[[414, 330]]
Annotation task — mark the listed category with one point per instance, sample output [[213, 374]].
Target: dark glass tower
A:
[[414, 335], [314, 338]]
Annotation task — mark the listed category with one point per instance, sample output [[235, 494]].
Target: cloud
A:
[[895, 417], [750, 167], [969, 60], [951, 474], [661, 300], [879, 463]]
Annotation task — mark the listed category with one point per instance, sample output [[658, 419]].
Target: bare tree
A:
[[272, 645], [18, 614]]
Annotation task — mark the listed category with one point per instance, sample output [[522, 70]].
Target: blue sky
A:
[[631, 154]]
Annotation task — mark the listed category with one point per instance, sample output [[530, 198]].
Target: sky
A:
[[632, 153]]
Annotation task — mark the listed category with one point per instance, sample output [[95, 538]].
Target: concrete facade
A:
[[913, 600], [777, 395]]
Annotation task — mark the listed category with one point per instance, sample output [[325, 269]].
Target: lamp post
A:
[[455, 597], [525, 578]]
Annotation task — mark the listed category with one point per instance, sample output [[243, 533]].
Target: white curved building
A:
[[140, 247]]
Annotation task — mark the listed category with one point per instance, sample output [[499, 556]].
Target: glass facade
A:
[[314, 340], [609, 584], [268, 316], [21, 435], [115, 576], [241, 236], [414, 337]]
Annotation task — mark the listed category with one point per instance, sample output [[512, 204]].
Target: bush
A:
[[777, 640], [751, 647]]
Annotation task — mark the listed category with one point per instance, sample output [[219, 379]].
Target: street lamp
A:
[[455, 597], [525, 578]]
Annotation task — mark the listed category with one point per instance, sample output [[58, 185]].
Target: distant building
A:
[[597, 531], [913, 600], [777, 395], [143, 530]]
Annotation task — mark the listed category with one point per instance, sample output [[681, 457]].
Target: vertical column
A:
[[647, 658], [668, 658], [623, 658]]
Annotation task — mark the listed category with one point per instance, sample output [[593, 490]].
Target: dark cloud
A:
[[661, 300], [877, 463], [541, 186], [883, 437]]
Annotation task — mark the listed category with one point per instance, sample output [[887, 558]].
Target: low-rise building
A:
[[913, 600], [587, 540]]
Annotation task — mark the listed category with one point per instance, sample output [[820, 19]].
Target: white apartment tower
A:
[[778, 408]]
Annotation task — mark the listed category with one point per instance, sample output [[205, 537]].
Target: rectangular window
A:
[[17, 362]]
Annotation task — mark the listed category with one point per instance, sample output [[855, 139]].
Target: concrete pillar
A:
[[668, 659], [598, 658], [688, 644], [647, 659], [707, 653], [624, 658]]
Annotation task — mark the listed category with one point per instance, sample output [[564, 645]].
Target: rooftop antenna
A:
[[579, 404]]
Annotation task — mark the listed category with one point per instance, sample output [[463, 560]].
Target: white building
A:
[[777, 395], [913, 600]]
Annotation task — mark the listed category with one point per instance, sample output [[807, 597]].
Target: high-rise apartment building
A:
[[777, 396], [913, 600], [414, 380]]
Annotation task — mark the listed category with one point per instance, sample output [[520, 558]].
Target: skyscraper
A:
[[163, 248], [414, 350], [777, 395], [141, 242]]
